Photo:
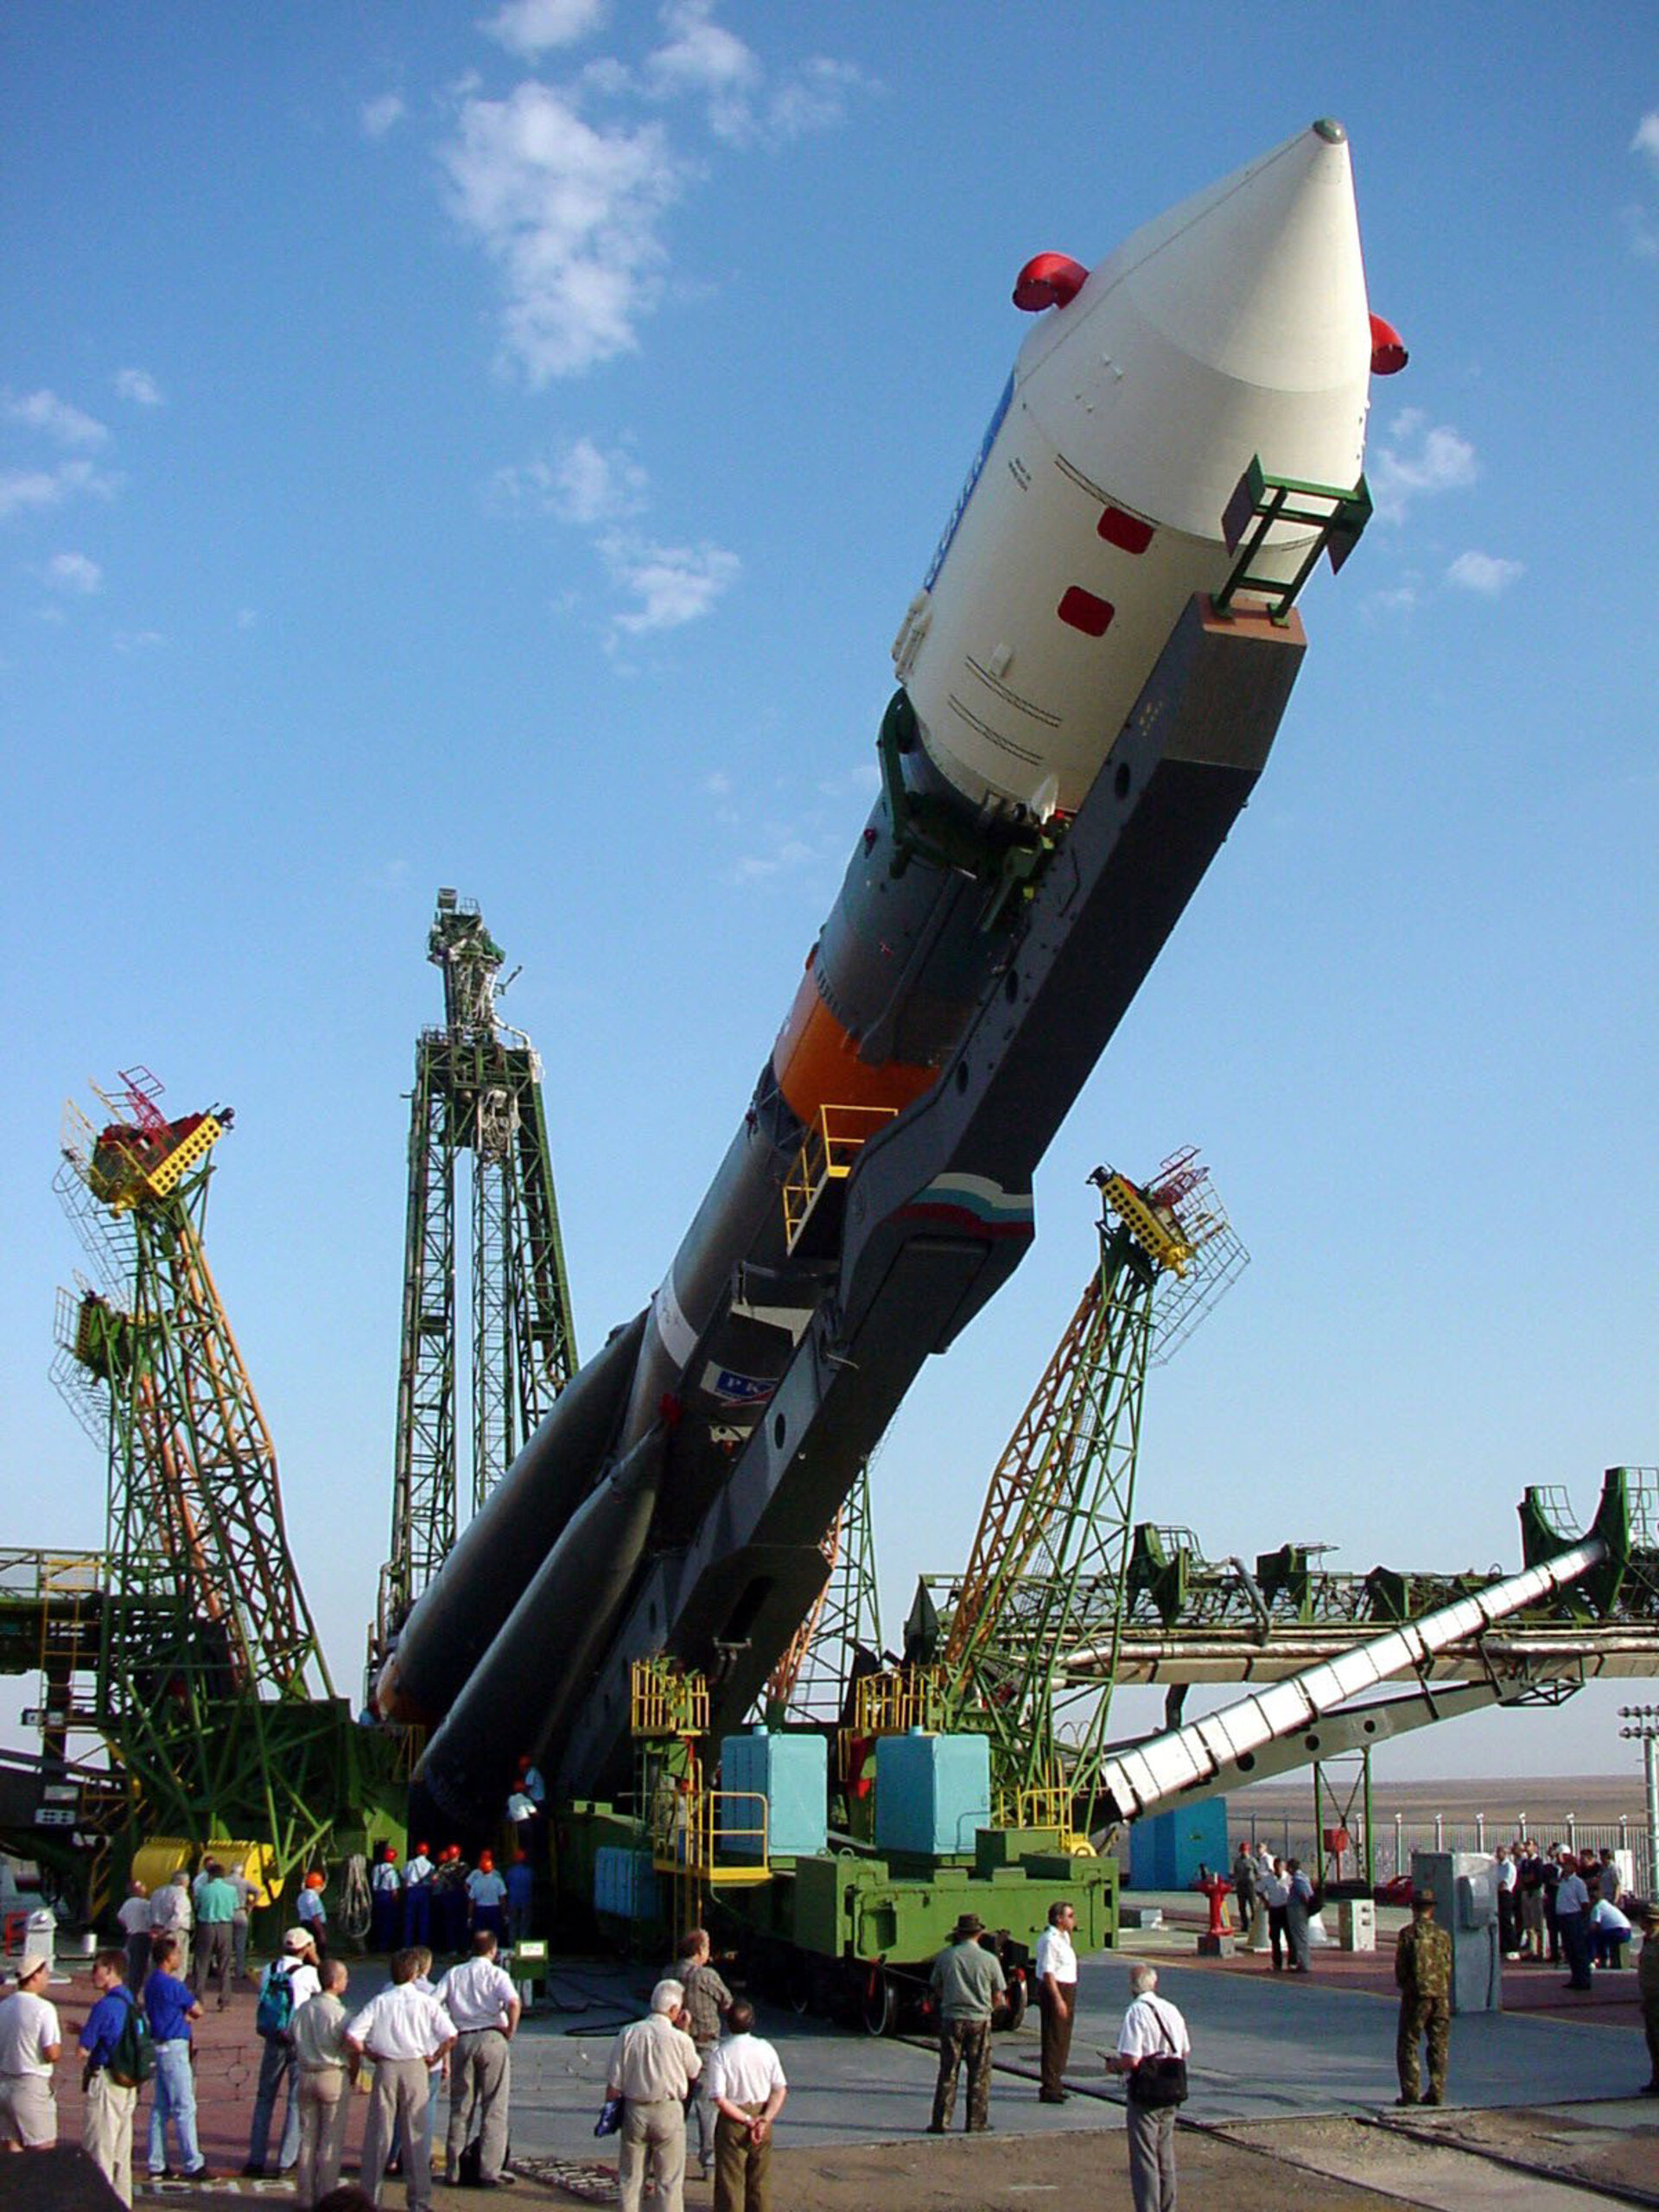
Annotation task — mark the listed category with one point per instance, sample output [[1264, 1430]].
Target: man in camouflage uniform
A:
[[1422, 1969], [968, 1984], [1647, 1983]]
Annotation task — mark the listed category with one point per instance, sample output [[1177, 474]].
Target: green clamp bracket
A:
[[1261, 500], [924, 829]]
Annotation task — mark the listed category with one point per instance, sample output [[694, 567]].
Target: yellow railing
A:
[[717, 1836], [831, 1145], [664, 1702], [891, 1704]]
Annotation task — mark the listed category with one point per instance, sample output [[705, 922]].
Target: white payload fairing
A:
[[1232, 335]]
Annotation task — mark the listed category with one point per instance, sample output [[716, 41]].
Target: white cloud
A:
[[528, 27], [55, 418], [139, 386], [705, 61], [1641, 231], [582, 485], [1393, 599], [22, 489], [246, 618], [1420, 461], [379, 116], [1646, 140], [138, 641], [73, 572], [674, 584], [1484, 573], [572, 216], [816, 97]]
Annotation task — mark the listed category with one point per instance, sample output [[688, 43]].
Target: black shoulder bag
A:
[[1160, 2079]]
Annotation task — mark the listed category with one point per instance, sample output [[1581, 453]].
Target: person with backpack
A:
[[119, 2059], [286, 1984], [1152, 2049]]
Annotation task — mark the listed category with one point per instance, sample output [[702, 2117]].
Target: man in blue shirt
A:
[[171, 2008], [107, 2125], [521, 1890]]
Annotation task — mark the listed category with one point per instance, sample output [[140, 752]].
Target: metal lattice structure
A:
[[1053, 1545], [478, 1091], [813, 1680], [209, 1685]]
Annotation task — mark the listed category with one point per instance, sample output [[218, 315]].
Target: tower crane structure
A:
[[478, 1092], [1053, 1545], [842, 1633], [198, 1661]]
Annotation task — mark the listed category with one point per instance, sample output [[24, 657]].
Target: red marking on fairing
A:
[[1048, 280], [1084, 612], [1128, 532]]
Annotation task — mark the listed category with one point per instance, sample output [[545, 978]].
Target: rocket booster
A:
[[1233, 329]]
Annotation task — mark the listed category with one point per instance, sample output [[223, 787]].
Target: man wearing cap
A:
[[1422, 1973], [31, 2044], [969, 1986], [297, 1966], [417, 1898], [1646, 1988], [486, 1895], [134, 1918]]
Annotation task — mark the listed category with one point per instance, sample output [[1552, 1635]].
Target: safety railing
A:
[[832, 1144]]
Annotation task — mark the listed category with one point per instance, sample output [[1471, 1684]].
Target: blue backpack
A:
[[275, 2001]]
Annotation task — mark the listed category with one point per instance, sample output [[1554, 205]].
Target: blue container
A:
[[1167, 1849], [787, 1774], [625, 1883], [931, 1793]]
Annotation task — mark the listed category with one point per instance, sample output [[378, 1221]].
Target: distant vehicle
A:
[[1398, 1892]]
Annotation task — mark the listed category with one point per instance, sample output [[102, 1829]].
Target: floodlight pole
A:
[[1644, 1728]]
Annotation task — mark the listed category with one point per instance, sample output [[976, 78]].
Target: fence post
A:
[[1572, 1832], [1399, 1844], [1440, 1831], [1480, 1831]]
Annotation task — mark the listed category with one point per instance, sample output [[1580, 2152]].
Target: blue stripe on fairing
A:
[[974, 474]]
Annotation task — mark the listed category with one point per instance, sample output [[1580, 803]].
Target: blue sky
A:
[[497, 449]]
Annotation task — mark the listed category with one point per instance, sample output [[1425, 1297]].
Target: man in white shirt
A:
[[295, 1972], [323, 2066], [170, 1914], [1151, 2029], [746, 2086], [134, 1918], [1507, 1873], [1572, 1918], [652, 2064], [1056, 1970], [481, 2000], [1274, 1893], [401, 2034], [31, 2044]]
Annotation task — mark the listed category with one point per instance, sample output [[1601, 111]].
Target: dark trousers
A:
[[963, 2042], [417, 1912], [1576, 1938], [1278, 1934], [741, 2165], [1057, 2040], [213, 1957], [1421, 2018], [1651, 2029]]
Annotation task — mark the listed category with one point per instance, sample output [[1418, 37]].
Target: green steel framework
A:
[[208, 1681], [1054, 1544], [477, 1091], [813, 1681]]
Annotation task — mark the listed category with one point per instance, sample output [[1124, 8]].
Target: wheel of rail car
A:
[[1019, 1998], [797, 1986], [879, 2004]]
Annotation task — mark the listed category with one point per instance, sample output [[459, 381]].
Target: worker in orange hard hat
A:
[[312, 1913], [385, 1900], [486, 1896]]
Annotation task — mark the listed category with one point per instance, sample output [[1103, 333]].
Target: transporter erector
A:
[[1077, 724]]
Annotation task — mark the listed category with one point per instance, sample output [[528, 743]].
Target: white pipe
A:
[[1192, 1755]]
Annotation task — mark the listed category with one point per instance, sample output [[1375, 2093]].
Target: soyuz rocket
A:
[[1233, 331]]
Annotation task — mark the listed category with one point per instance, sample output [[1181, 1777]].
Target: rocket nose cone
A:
[[1261, 277]]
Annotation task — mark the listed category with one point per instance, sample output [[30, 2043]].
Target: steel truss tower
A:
[[813, 1680], [477, 1090], [211, 1687], [1052, 1549]]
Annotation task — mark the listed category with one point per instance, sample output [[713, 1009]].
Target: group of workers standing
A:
[[443, 1901]]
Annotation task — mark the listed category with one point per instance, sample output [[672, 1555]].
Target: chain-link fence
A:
[[1395, 1838]]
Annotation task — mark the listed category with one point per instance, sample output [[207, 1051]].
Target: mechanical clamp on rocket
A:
[[1089, 680]]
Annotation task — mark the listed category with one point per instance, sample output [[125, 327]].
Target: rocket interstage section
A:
[[1067, 705]]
